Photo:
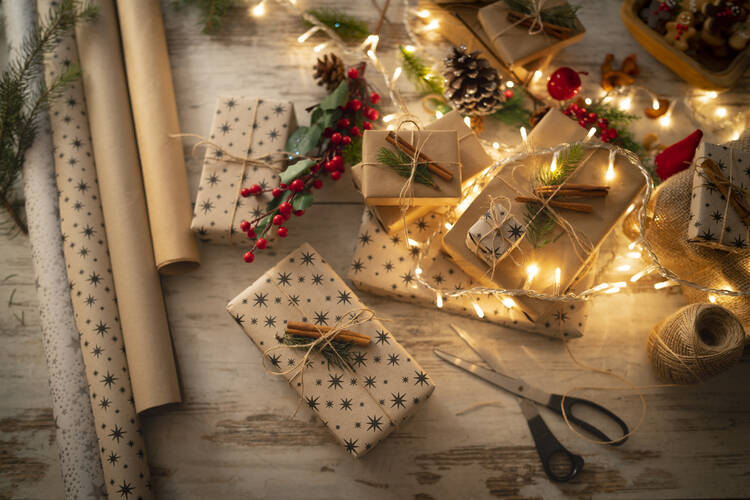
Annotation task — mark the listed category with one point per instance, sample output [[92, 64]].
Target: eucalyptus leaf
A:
[[337, 97], [302, 201], [295, 170]]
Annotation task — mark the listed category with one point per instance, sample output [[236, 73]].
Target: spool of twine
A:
[[695, 343]]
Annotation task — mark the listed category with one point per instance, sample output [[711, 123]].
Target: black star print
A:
[[407, 278], [82, 187], [515, 231], [370, 382], [708, 235], [738, 242], [77, 206], [225, 128], [398, 400], [270, 322], [317, 279], [113, 458], [438, 278], [334, 381], [374, 423], [207, 206], [393, 359], [346, 404], [261, 299], [275, 360], [101, 328], [294, 300], [212, 179], [717, 216], [126, 489], [117, 433], [104, 403], [421, 378], [83, 252], [308, 259], [88, 231], [321, 318], [312, 402], [359, 359], [284, 278], [344, 297], [278, 109], [357, 265], [421, 224], [231, 103], [351, 445], [238, 318], [273, 134], [90, 300], [382, 337], [365, 239], [561, 316], [329, 404], [108, 380], [76, 143], [94, 278], [388, 266], [97, 351]]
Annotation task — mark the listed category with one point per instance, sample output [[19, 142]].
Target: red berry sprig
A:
[[587, 119]]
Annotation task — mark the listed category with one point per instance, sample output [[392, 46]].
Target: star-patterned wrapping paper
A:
[[492, 235], [362, 405], [245, 128], [120, 443], [713, 220], [385, 265]]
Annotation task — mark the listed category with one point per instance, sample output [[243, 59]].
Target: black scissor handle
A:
[[559, 464], [556, 403]]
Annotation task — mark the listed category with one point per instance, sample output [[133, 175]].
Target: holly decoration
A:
[[564, 84], [611, 123], [332, 141]]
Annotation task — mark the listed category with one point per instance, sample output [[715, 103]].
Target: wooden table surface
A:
[[232, 436]]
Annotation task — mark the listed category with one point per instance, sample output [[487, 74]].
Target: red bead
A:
[[367, 126], [343, 123], [248, 257], [245, 225], [278, 220], [261, 243], [297, 185], [245, 192], [374, 97], [285, 208], [373, 114], [354, 105], [299, 213], [355, 131], [317, 183], [336, 175], [251, 233], [352, 73], [336, 138], [282, 232], [508, 94], [346, 140]]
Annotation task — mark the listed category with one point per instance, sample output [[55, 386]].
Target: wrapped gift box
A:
[[386, 265], [563, 253], [714, 220], [382, 185], [243, 128], [361, 404]]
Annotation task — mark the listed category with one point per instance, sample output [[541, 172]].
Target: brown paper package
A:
[[381, 185], [555, 128], [142, 313], [155, 116]]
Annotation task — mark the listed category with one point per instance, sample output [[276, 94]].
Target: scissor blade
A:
[[528, 408], [510, 384], [487, 355]]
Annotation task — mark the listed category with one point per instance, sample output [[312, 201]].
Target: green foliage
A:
[[352, 153], [401, 163], [420, 74], [23, 95], [306, 139], [212, 12], [341, 358], [621, 121], [347, 27], [513, 113], [560, 15], [295, 170], [567, 162]]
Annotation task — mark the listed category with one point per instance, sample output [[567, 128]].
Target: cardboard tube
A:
[[142, 312], [155, 116]]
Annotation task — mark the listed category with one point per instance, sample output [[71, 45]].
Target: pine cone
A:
[[472, 85], [329, 71]]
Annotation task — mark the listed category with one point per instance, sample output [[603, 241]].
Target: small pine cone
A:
[[477, 124], [329, 71], [472, 85]]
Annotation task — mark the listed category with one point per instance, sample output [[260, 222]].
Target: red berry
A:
[[612, 133], [354, 105], [337, 161], [593, 116], [582, 122], [282, 232], [278, 220], [374, 97], [330, 166], [286, 216], [346, 140], [327, 132], [336, 138], [373, 114], [245, 225], [249, 257], [285, 208], [251, 233], [297, 185], [282, 185], [343, 123], [352, 73], [299, 213], [261, 243], [367, 125], [602, 123], [355, 131], [245, 192], [315, 168], [336, 175], [276, 192], [508, 94], [317, 183]]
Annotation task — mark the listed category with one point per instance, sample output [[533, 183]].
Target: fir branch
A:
[[560, 15], [620, 120], [567, 162], [400, 162], [420, 74], [23, 95], [513, 113], [212, 12], [341, 358], [346, 26]]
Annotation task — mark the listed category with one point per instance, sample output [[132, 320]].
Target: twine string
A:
[[537, 25]]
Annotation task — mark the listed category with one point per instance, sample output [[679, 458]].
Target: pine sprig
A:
[[346, 26], [420, 74], [212, 12], [620, 120], [23, 95], [400, 162], [560, 15], [341, 358], [513, 113]]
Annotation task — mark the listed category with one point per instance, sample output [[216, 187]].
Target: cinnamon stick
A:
[[564, 205], [581, 187], [521, 19], [738, 202], [571, 193], [407, 148], [312, 331]]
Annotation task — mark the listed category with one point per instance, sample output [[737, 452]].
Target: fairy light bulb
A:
[[438, 114], [259, 9], [371, 54], [496, 145], [623, 268], [553, 164], [307, 34], [630, 209], [388, 118], [371, 41], [320, 47], [424, 13], [588, 101], [439, 300], [508, 302], [537, 76], [655, 104], [432, 25], [531, 272], [663, 284], [638, 275], [467, 121], [611, 167], [557, 280], [448, 226], [665, 120], [509, 84], [409, 48], [712, 94], [721, 112], [414, 243], [625, 104], [712, 298], [600, 287], [614, 289], [524, 137], [591, 133], [478, 310]]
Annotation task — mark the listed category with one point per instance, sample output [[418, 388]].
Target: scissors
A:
[[559, 463]]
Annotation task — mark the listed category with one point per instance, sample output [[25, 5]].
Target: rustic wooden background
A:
[[232, 436]]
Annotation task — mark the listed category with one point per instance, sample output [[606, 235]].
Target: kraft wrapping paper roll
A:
[[88, 265], [139, 296], [155, 115], [74, 424]]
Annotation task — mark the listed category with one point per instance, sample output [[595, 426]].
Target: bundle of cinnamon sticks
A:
[[314, 332], [567, 191], [736, 197], [407, 148]]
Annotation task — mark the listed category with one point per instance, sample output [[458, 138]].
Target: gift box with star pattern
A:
[[386, 265], [714, 220], [362, 401], [243, 128]]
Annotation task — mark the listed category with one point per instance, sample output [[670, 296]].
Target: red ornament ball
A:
[[564, 84], [261, 243], [282, 232], [353, 73], [248, 257]]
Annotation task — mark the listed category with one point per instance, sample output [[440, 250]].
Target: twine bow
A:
[[536, 26], [497, 216]]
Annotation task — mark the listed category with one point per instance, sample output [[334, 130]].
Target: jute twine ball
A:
[[695, 343]]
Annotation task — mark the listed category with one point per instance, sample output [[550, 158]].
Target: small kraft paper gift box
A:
[[245, 134], [474, 159], [361, 392], [720, 204], [387, 161], [506, 239]]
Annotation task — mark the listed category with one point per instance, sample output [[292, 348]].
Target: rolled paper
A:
[[139, 296], [155, 116], [74, 423], [249, 129], [494, 234], [92, 289]]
